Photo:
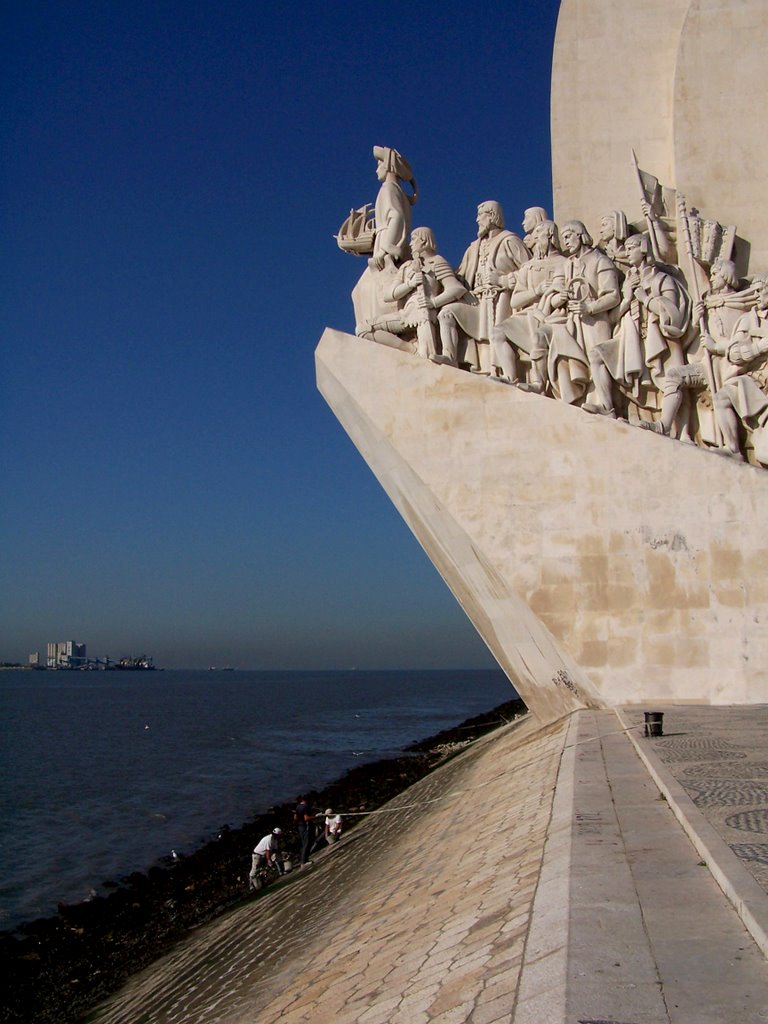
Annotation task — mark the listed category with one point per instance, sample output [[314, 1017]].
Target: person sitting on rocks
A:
[[332, 827]]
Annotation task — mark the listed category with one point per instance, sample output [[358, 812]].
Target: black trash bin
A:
[[654, 721]]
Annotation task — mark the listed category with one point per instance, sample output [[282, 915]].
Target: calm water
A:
[[102, 773]]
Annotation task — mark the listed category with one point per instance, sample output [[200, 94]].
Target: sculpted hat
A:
[[394, 161]]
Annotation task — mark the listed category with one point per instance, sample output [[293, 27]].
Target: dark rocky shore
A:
[[57, 969]]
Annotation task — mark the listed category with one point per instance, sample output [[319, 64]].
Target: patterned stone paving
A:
[[726, 793], [718, 755]]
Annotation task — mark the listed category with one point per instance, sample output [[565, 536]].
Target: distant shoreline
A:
[[62, 966]]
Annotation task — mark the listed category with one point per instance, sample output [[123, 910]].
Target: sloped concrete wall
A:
[[602, 565]]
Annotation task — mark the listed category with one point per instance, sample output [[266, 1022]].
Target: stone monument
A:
[[602, 563]]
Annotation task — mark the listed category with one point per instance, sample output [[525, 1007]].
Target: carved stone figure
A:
[[744, 396], [608, 325], [717, 313], [590, 284], [613, 234], [539, 291], [423, 285], [488, 267], [389, 228], [393, 206], [656, 203], [532, 217], [654, 316]]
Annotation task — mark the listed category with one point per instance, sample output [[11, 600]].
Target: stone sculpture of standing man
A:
[[591, 285], [744, 396], [614, 231], [392, 224], [654, 316], [488, 267], [717, 313], [393, 207]]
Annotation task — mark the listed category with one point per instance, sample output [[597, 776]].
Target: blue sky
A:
[[173, 483]]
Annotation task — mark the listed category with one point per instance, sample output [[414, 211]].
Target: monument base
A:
[[602, 564]]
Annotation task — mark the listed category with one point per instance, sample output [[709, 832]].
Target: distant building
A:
[[68, 654], [34, 659]]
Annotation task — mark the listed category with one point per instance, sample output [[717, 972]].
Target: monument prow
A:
[[601, 564]]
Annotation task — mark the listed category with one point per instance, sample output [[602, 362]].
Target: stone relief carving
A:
[[716, 314], [519, 342], [393, 207], [531, 217], [654, 314], [613, 234], [649, 323], [488, 267], [591, 289], [743, 395], [423, 285]]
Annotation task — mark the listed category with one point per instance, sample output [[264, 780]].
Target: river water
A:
[[102, 773]]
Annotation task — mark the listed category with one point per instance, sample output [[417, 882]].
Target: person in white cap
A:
[[332, 826], [266, 851]]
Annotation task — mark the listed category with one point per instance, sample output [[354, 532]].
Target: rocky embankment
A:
[[56, 969]]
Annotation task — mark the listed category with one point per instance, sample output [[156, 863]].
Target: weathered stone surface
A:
[[677, 80], [600, 563]]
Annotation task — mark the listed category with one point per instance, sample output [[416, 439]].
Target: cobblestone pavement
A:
[[419, 916], [719, 755]]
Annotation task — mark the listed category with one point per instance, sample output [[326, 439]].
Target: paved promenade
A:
[[719, 755], [538, 877]]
